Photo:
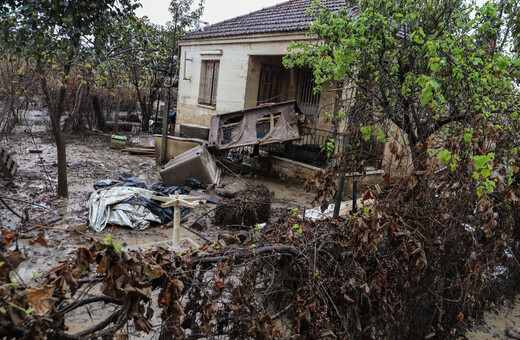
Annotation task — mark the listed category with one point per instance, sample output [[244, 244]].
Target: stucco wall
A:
[[238, 75]]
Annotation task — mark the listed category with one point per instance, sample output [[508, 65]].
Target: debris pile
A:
[[128, 203], [252, 205]]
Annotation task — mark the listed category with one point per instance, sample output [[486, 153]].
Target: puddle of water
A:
[[496, 324]]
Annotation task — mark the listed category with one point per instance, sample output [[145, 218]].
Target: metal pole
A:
[[354, 197], [339, 192], [164, 140]]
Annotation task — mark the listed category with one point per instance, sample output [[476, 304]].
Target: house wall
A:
[[238, 75]]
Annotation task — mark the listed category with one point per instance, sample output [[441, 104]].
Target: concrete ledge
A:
[[288, 169]]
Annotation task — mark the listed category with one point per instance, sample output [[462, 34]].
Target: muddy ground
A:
[[91, 160]]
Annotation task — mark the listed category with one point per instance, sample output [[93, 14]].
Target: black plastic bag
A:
[[195, 183], [131, 181]]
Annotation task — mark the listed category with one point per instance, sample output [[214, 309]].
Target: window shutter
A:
[[215, 84], [206, 96]]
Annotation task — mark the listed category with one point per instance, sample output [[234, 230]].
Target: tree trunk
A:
[[116, 117], [59, 137], [145, 125], [99, 114], [55, 113]]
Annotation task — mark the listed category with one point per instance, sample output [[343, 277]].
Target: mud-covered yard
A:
[[90, 160]]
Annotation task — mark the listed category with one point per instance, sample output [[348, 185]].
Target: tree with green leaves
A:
[[184, 18], [444, 72], [421, 65], [149, 54], [54, 35]]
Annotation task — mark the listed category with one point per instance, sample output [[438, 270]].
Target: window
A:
[[269, 86], [208, 82], [308, 101]]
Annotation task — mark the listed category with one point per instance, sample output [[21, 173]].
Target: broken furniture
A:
[[7, 164], [177, 202], [196, 162], [174, 146], [194, 131], [274, 123]]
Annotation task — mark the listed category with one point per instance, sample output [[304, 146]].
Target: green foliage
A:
[[297, 228], [367, 132], [419, 65], [50, 33], [108, 241], [376, 131], [445, 156], [329, 147], [13, 284], [483, 166]]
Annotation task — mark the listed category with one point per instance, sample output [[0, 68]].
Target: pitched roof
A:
[[284, 17]]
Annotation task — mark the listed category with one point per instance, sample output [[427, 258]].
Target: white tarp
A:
[[107, 206], [315, 214]]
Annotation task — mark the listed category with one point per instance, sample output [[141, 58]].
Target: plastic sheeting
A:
[[127, 202], [110, 206]]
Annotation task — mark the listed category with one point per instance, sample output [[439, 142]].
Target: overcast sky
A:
[[214, 11]]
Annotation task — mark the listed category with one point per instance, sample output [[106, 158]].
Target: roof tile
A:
[[284, 17]]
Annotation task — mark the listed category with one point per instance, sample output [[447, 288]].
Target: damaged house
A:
[[232, 67]]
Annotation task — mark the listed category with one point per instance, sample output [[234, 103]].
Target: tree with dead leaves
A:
[[52, 36]]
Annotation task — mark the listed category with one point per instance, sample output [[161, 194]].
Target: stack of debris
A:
[[251, 206]]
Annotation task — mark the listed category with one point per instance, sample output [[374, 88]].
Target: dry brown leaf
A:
[[230, 239], [153, 271], [177, 312], [7, 237], [40, 239], [358, 323], [103, 265], [40, 299]]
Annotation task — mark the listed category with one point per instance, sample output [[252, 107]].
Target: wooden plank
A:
[[6, 171], [140, 151], [13, 170], [3, 156]]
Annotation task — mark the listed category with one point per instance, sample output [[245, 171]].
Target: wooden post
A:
[[164, 140], [177, 202], [176, 221]]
